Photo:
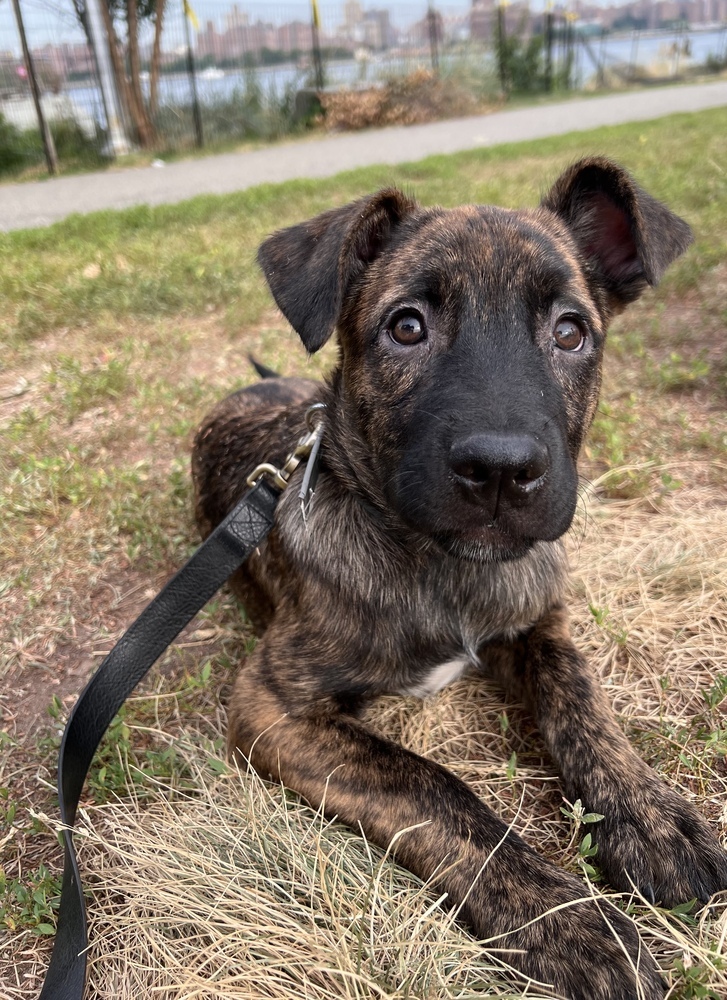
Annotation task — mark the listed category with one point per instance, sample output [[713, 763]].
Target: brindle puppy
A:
[[470, 357]]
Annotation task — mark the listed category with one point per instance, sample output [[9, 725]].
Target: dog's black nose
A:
[[498, 466]]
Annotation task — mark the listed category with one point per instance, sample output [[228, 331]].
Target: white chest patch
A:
[[438, 677]]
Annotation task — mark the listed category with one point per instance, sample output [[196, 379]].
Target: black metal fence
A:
[[215, 71]]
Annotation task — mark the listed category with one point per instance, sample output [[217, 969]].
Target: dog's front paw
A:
[[657, 841], [586, 950]]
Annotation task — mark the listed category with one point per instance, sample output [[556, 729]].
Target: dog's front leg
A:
[[533, 913], [650, 836]]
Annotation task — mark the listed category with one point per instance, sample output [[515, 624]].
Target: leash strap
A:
[[129, 661]]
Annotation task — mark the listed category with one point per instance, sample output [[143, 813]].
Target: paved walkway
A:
[[43, 202]]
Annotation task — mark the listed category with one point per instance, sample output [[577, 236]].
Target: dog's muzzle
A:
[[499, 470]]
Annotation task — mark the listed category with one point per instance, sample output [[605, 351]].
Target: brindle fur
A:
[[402, 566]]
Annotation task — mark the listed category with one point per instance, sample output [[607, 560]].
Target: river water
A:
[[662, 51]]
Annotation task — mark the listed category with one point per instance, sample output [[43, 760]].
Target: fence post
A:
[[569, 45], [680, 43], [549, 47], [192, 74], [433, 39], [634, 53], [49, 148], [601, 61], [502, 48], [317, 57]]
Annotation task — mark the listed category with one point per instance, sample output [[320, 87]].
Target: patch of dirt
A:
[[60, 667]]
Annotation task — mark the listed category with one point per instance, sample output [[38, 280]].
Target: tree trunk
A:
[[156, 59], [136, 113], [143, 124], [117, 62]]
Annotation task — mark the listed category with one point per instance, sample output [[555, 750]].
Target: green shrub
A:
[[74, 146], [249, 112], [17, 149], [23, 148]]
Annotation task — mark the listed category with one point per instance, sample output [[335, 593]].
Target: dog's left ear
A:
[[309, 267], [627, 237]]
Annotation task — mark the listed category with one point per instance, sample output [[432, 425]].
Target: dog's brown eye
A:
[[408, 329], [568, 335]]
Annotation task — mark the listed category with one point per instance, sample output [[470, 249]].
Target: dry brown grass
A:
[[421, 96]]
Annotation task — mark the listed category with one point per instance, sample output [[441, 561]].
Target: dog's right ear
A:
[[309, 267]]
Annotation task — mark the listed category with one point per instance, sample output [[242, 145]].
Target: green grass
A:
[[149, 262]]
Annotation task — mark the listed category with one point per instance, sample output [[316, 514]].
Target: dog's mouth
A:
[[471, 536], [491, 544]]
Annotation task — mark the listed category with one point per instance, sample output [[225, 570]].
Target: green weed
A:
[[678, 374], [79, 388], [717, 692], [611, 434], [125, 760], [576, 812], [602, 618], [30, 903], [693, 982], [587, 849]]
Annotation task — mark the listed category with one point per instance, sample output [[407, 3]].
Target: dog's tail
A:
[[262, 370]]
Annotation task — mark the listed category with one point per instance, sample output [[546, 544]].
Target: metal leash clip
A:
[[309, 443]]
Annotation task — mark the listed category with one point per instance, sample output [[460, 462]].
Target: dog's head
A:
[[471, 341]]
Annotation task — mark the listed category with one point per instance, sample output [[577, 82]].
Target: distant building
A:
[[371, 28], [236, 18], [294, 37], [420, 33], [352, 18], [483, 17], [210, 44], [377, 30]]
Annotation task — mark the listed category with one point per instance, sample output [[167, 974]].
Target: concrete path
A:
[[43, 202]]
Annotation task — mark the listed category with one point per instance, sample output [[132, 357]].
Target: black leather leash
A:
[[129, 661]]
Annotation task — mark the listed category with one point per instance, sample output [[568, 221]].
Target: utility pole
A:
[[49, 148], [433, 37], [117, 144]]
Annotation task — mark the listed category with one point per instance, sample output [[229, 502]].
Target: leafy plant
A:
[[22, 148], [30, 903], [717, 693]]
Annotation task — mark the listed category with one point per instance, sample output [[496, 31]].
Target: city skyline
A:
[[284, 27]]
